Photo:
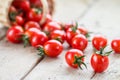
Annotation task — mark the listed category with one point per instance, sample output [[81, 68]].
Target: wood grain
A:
[[15, 60]]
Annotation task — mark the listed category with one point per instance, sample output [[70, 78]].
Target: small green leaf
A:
[[108, 53], [74, 28], [41, 51], [78, 61], [25, 39]]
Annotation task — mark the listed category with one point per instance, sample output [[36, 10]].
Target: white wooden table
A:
[[98, 16]]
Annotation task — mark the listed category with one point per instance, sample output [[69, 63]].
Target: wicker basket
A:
[[48, 5]]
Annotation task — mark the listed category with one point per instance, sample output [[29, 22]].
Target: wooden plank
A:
[[104, 19], [15, 60], [67, 11]]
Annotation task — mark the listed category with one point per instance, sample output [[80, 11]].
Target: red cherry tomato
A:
[[70, 34], [68, 25], [14, 34], [99, 62], [58, 35], [31, 32], [53, 48], [79, 42], [22, 4], [25, 5], [18, 21], [51, 26], [74, 58], [115, 44], [31, 24], [99, 42], [39, 39], [83, 31], [34, 15]]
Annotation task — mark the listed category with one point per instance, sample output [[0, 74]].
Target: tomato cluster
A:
[[25, 15]]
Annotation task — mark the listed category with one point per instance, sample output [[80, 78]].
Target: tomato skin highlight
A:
[[53, 48], [115, 45], [99, 63], [79, 42], [14, 34], [70, 57], [99, 42]]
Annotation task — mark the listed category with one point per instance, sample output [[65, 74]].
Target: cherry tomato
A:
[[18, 21], [68, 25], [51, 26], [31, 32], [25, 5], [99, 42], [39, 39], [28, 34], [99, 62], [53, 48], [71, 32], [115, 44], [34, 15], [14, 34], [58, 35], [79, 42], [83, 31], [31, 24], [74, 58], [22, 4]]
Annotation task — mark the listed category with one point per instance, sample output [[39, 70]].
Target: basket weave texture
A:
[[4, 6]]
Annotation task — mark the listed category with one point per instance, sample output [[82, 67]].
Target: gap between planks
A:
[[37, 62]]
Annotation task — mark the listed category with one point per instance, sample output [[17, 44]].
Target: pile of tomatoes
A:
[[48, 38]]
